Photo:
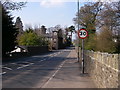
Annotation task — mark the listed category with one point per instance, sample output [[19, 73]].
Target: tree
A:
[[87, 19], [9, 32], [19, 25], [109, 21], [30, 38], [87, 16], [105, 41], [60, 38], [57, 27], [71, 29], [29, 30], [10, 5]]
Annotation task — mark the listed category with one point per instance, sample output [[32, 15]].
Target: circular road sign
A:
[[82, 33]]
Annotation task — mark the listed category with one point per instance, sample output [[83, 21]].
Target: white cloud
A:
[[51, 3]]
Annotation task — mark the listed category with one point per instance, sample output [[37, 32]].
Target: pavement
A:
[[69, 75]]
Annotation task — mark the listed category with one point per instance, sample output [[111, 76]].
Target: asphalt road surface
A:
[[34, 71]]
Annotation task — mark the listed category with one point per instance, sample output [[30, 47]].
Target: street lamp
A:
[[82, 45], [78, 29]]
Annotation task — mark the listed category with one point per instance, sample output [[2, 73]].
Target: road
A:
[[57, 69], [34, 71]]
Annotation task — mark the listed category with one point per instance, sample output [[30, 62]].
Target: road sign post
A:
[[78, 29], [82, 33]]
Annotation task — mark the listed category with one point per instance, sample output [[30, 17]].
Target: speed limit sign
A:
[[82, 33]]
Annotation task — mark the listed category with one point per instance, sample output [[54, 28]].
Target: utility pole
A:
[[78, 29], [82, 45]]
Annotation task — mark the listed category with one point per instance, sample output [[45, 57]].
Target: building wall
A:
[[55, 40], [104, 68]]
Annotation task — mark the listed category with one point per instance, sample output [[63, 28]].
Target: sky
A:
[[49, 14]]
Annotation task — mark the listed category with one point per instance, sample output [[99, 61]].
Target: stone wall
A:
[[104, 68], [32, 50]]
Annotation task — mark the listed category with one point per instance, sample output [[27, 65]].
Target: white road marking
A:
[[23, 66], [19, 67], [51, 55], [2, 73], [7, 68], [42, 60], [60, 66], [31, 63]]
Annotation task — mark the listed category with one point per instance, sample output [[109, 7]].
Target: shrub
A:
[[31, 39]]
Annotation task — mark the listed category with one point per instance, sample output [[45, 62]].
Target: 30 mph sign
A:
[[82, 33]]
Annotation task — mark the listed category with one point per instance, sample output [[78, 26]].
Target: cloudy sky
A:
[[49, 12]]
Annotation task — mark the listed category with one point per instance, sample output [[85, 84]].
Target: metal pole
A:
[[78, 29], [83, 56]]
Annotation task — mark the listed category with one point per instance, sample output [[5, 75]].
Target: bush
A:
[[32, 39], [90, 42]]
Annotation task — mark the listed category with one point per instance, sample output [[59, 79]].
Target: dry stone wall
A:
[[104, 68]]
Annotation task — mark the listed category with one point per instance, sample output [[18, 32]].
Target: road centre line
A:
[[31, 63], [7, 68], [51, 55], [59, 67], [24, 66]]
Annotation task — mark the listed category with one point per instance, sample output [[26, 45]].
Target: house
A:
[[20, 49]]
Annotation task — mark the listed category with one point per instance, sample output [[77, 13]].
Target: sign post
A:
[[82, 33], [78, 29]]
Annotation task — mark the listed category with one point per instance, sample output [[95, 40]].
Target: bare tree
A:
[[10, 5], [109, 21], [88, 14]]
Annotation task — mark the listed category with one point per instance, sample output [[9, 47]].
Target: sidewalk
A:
[[70, 76]]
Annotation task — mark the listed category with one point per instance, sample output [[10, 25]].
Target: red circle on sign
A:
[[82, 33]]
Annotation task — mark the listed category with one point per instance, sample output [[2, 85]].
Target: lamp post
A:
[[78, 29], [82, 45]]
